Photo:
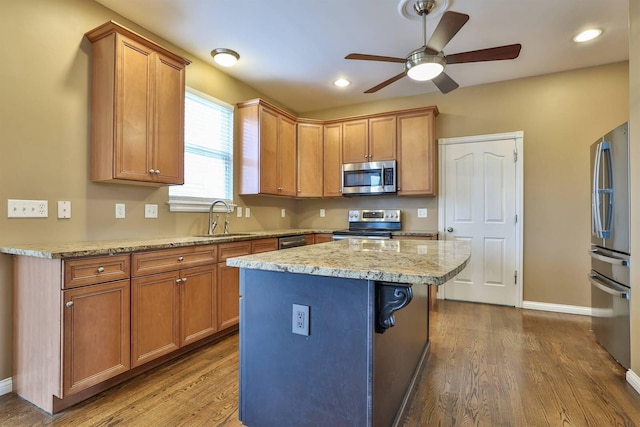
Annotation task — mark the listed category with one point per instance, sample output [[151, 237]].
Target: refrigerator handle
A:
[[607, 289], [595, 195], [609, 260], [606, 150]]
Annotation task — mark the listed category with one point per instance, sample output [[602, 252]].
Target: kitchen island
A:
[[361, 312]]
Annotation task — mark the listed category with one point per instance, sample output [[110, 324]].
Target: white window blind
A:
[[208, 154]]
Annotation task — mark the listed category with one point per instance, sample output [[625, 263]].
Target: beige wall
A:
[[634, 148], [44, 119], [561, 115]]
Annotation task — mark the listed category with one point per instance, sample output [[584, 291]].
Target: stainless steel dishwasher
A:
[[291, 241]]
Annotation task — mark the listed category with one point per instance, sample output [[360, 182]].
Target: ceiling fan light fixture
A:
[[587, 35], [225, 57], [422, 66]]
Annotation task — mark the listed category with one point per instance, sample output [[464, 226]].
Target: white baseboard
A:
[[634, 380], [558, 308], [6, 386]]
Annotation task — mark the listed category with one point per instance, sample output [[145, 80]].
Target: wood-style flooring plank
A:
[[489, 366]]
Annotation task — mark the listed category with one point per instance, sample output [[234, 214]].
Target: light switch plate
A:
[[283, 213], [239, 211], [322, 213], [64, 209], [247, 212]]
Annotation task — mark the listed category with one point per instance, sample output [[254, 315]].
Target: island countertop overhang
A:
[[415, 262]]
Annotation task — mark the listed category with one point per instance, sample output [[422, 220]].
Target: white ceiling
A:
[[292, 50]]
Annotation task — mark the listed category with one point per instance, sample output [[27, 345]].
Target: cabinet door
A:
[[382, 138], [168, 135], [287, 156], [332, 160], [198, 303], [95, 334], [355, 141], [323, 237], [134, 145], [417, 155], [228, 296], [154, 316], [310, 160], [268, 151]]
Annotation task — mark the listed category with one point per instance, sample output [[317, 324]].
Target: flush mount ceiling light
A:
[[587, 35], [342, 83], [225, 57]]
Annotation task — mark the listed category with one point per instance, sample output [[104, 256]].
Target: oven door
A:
[[368, 178]]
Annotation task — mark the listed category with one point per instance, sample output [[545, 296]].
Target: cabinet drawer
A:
[[172, 259], [232, 249], [88, 271], [264, 245]]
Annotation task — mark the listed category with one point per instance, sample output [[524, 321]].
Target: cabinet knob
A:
[[152, 171], [178, 281], [100, 269], [184, 280], [157, 171], [69, 304], [180, 258]]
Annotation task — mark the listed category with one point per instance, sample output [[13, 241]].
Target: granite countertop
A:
[[428, 262], [109, 247]]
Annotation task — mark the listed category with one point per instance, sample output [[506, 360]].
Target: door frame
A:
[[519, 139]]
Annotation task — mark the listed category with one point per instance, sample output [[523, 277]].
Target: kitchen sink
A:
[[224, 235]]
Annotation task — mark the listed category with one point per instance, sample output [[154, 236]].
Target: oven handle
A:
[[595, 254], [605, 288]]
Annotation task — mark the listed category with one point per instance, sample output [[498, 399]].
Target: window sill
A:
[[197, 205]]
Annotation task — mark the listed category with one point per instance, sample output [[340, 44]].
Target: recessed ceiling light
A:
[[342, 83], [587, 35], [225, 57]]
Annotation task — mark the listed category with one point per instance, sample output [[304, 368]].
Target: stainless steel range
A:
[[371, 224]]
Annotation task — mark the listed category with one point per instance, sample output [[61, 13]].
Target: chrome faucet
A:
[[214, 224]]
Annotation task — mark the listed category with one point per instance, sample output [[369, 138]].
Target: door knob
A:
[[449, 229]]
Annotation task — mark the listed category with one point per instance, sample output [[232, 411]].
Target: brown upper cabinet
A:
[[137, 109], [310, 158], [332, 160], [369, 140], [268, 147], [417, 153]]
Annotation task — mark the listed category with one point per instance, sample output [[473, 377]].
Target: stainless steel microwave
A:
[[369, 178]]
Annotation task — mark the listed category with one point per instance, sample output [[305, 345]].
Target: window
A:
[[208, 154]]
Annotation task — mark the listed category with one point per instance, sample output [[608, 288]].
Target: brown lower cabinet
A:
[[323, 237]]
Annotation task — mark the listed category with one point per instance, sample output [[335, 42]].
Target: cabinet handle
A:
[[184, 280], [157, 171], [69, 304], [180, 258], [178, 281], [152, 171], [100, 269]]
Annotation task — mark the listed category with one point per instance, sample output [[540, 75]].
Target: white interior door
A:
[[481, 198]]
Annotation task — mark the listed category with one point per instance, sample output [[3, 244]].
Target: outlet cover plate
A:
[[150, 210], [422, 213], [300, 320], [64, 209], [27, 208], [120, 211]]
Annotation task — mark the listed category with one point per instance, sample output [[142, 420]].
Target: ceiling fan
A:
[[428, 61]]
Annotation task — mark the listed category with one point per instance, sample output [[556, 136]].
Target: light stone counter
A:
[[109, 247], [399, 261]]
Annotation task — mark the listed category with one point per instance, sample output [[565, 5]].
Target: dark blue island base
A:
[[344, 373]]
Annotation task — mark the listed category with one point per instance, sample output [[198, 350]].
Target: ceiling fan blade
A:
[[386, 83], [445, 83], [365, 57], [449, 25], [491, 54]]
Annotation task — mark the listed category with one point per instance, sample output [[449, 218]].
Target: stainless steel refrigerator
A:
[[610, 254]]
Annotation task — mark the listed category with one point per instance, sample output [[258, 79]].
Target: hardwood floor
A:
[[489, 366]]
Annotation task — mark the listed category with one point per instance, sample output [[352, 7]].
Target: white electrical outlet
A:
[[322, 213], [422, 213], [150, 210], [64, 209], [300, 320], [247, 212], [283, 213], [120, 211], [239, 211], [27, 208]]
